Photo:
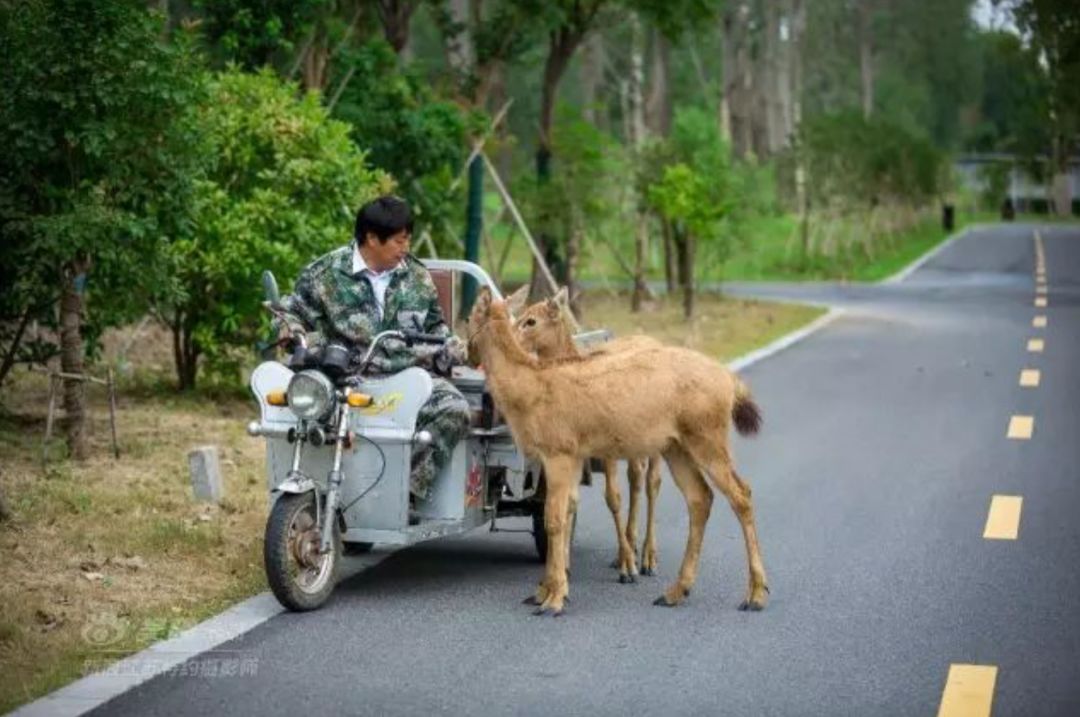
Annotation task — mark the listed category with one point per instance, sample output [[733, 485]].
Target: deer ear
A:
[[562, 297], [516, 301]]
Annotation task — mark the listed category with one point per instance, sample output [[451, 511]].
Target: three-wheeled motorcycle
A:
[[338, 453]]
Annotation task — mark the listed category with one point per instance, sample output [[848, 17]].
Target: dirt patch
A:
[[107, 556], [722, 327]]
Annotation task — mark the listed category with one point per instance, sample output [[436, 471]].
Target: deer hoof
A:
[[662, 601], [614, 564], [546, 611], [648, 571], [627, 578], [751, 606], [531, 600]]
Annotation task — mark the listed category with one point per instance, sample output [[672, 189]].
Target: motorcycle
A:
[[339, 445]]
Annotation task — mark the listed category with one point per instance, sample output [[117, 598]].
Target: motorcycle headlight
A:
[[311, 395]]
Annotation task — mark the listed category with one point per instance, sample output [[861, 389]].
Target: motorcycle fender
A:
[[295, 485]]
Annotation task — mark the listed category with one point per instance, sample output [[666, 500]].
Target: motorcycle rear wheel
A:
[[300, 578]]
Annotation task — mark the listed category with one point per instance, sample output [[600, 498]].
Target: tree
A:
[[257, 33], [92, 167], [1053, 27], [407, 131], [281, 185], [695, 193]]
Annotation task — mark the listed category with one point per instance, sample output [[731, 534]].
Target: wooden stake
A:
[[552, 284], [49, 420], [112, 414]]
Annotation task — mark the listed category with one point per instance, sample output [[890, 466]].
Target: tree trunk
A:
[[866, 55], [682, 265], [771, 108], [798, 28], [727, 80], [13, 348], [669, 256], [459, 50], [592, 76], [5, 511], [314, 67], [687, 271], [395, 16], [72, 351], [658, 104], [573, 255], [739, 88], [185, 352], [638, 137], [561, 46]]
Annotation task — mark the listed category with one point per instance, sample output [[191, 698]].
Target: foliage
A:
[[995, 180], [1053, 27], [588, 190], [855, 161], [1013, 107], [281, 185], [93, 160], [695, 189], [408, 132], [255, 33]]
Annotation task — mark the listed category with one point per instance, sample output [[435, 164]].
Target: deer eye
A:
[[530, 322]]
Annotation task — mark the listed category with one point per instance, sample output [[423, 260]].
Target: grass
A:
[[106, 556], [119, 547], [767, 249], [722, 327]]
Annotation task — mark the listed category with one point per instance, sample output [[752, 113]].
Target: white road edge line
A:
[[918, 263], [94, 690], [786, 341]]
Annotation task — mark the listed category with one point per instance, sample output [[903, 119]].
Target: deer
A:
[[663, 400], [547, 330]]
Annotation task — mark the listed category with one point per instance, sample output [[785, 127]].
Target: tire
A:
[[291, 534], [540, 534]]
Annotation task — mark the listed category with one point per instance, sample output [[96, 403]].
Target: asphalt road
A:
[[884, 442]]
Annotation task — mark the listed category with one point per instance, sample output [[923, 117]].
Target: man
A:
[[374, 284]]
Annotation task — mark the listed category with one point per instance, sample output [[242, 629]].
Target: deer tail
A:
[[745, 412]]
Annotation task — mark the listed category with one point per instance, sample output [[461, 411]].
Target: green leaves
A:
[[88, 121], [279, 184], [695, 185]]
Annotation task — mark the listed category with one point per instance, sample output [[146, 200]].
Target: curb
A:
[[94, 690], [918, 263]]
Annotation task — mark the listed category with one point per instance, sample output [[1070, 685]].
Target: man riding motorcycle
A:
[[374, 284]]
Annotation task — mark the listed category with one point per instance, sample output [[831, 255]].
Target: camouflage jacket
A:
[[331, 305]]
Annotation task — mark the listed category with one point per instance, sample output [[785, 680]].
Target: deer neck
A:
[[504, 359]]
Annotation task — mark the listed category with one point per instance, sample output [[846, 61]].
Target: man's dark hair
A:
[[383, 217]]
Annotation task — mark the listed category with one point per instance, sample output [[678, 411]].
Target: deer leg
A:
[[571, 515], [652, 488], [698, 503], [635, 476], [560, 472], [625, 562], [716, 462]]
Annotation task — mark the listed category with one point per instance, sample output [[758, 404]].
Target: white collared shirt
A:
[[379, 280]]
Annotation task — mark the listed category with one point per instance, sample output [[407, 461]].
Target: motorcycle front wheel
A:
[[300, 578]]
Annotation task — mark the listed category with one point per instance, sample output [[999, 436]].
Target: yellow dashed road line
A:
[[1036, 345], [1029, 377], [1040, 302], [1021, 427], [1003, 520], [969, 691], [1039, 322]]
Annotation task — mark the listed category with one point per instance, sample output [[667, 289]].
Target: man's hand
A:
[[453, 353]]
